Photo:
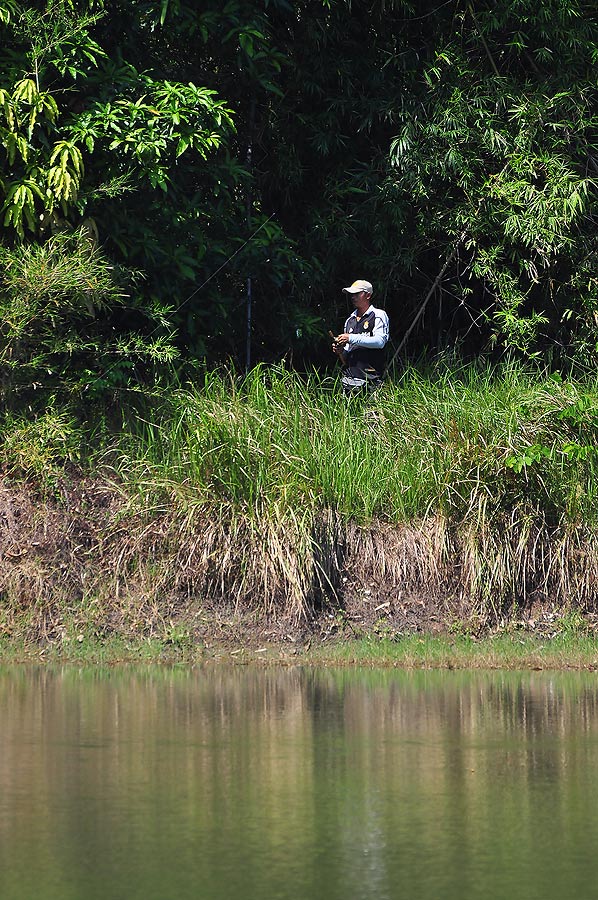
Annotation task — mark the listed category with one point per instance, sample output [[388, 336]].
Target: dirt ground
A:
[[81, 565]]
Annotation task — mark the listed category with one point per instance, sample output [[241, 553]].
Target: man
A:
[[361, 346]]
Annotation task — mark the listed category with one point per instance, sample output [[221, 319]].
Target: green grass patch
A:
[[472, 442], [502, 651], [419, 652], [266, 490]]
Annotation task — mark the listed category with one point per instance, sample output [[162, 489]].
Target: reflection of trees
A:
[[321, 772], [477, 767]]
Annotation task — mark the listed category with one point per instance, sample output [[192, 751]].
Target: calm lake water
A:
[[297, 783]]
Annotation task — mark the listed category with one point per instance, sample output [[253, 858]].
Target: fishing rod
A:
[[437, 281], [336, 345], [190, 296]]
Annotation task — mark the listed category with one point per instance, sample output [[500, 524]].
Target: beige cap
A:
[[359, 286]]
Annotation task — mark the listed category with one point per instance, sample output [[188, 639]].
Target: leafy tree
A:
[[499, 143], [82, 130], [282, 148]]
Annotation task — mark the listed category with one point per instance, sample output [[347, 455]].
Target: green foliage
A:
[[40, 448], [56, 337], [126, 121], [81, 128], [472, 446], [290, 146], [43, 167], [500, 147]]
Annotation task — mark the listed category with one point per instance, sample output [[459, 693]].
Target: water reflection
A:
[[293, 783]]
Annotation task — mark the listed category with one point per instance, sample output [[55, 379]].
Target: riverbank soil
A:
[[85, 565]]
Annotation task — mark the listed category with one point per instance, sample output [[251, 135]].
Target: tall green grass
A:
[[277, 491], [472, 444], [476, 482]]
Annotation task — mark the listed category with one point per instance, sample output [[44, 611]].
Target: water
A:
[[296, 783]]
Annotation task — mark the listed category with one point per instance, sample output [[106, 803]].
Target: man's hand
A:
[[338, 342]]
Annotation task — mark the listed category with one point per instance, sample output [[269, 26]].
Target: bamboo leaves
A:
[[65, 172], [19, 205], [30, 195], [508, 154], [8, 10]]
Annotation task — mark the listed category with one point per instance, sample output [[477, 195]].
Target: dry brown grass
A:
[[94, 560]]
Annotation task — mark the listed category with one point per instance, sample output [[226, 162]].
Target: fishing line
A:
[[435, 284], [445, 266], [224, 264], [428, 14], [175, 311]]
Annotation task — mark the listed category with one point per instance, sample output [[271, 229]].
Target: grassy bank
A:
[[576, 650], [450, 497]]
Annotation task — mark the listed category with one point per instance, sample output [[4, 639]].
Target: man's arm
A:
[[376, 339]]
